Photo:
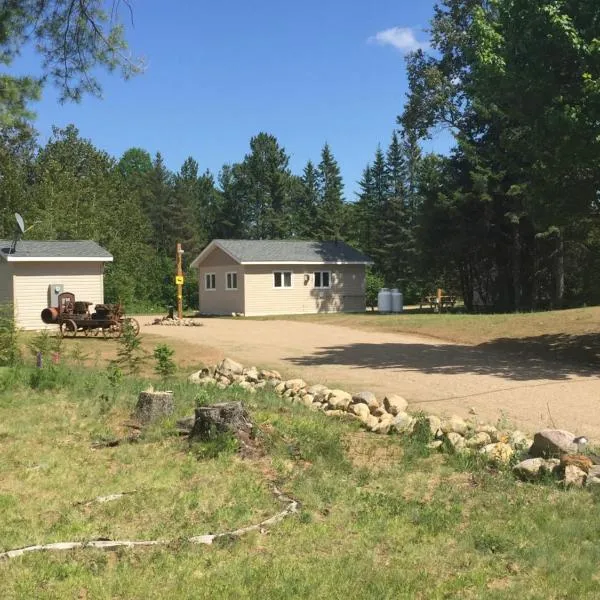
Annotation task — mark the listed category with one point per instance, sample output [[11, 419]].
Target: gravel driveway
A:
[[433, 375]]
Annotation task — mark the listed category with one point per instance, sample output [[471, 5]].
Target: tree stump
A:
[[220, 418], [153, 405]]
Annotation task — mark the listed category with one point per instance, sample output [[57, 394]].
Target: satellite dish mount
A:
[[19, 231]]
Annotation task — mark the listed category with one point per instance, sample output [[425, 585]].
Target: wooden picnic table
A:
[[438, 303]]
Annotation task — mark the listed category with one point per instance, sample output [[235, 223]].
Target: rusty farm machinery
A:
[[74, 317]]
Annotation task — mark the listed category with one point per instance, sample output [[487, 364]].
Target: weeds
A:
[[10, 353], [130, 355]]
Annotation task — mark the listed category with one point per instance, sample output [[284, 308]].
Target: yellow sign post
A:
[[179, 281]]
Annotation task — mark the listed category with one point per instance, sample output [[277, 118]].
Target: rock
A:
[[361, 411], [288, 393], [245, 385], [387, 418], [454, 425], [334, 412], [280, 388], [269, 374], [479, 440], [151, 406], [403, 423], [519, 441], [222, 386], [383, 428], [456, 440], [338, 399], [435, 445], [434, 423], [552, 442], [252, 375], [224, 380], [594, 471], [260, 385], [500, 453], [367, 398], [372, 423], [574, 476], [228, 365], [395, 404], [206, 381], [489, 429], [198, 376], [581, 461], [592, 482], [273, 382], [314, 390], [534, 468], [307, 400], [295, 384]]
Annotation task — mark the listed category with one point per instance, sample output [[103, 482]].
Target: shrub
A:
[[374, 282], [10, 353], [165, 366], [130, 356]]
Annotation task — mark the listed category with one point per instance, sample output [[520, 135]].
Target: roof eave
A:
[[214, 244], [306, 262], [12, 258]]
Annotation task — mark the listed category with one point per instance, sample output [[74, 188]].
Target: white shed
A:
[[33, 273]]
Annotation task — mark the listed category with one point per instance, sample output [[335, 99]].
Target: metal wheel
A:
[[91, 331], [68, 328], [134, 325], [113, 330]]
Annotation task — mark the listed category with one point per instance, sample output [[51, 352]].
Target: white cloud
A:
[[401, 38]]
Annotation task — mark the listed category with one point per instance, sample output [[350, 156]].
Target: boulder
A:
[[454, 425], [307, 400], [533, 468], [360, 410], [295, 384], [252, 375], [379, 411], [499, 453], [314, 390], [317, 406], [383, 428], [260, 385], [334, 413], [152, 405], [435, 445], [198, 376], [581, 461], [552, 442], [245, 385], [224, 380], [228, 365], [269, 374], [403, 423], [372, 423], [434, 423], [490, 430], [519, 441], [338, 399], [222, 386], [367, 398], [574, 476], [594, 471], [395, 404], [592, 482], [288, 393], [479, 440], [280, 388], [456, 441]]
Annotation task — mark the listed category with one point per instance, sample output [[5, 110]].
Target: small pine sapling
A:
[[165, 366]]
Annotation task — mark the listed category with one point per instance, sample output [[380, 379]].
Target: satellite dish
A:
[[20, 222]]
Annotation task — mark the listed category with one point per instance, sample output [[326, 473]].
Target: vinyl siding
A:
[[347, 292], [221, 301], [32, 281], [6, 283], [218, 258]]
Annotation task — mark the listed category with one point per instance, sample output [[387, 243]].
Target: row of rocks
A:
[[175, 322], [544, 454]]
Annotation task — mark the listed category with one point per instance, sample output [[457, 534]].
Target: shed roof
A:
[[54, 251], [286, 251]]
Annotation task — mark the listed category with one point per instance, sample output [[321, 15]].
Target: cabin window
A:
[[231, 283], [282, 279], [210, 281], [322, 279]]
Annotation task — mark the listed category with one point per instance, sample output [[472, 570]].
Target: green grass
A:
[[381, 517]]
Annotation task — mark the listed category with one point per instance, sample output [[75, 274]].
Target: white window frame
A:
[[321, 287], [283, 287], [214, 280], [227, 288]]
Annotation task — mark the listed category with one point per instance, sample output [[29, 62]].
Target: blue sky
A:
[[218, 73]]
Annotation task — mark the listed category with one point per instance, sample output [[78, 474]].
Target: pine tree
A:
[[330, 210], [306, 199]]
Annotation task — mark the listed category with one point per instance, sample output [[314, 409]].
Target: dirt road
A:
[[433, 375]]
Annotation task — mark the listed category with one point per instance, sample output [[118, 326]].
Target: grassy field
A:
[[381, 517], [571, 335]]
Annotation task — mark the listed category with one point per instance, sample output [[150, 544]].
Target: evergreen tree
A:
[[306, 200], [330, 209]]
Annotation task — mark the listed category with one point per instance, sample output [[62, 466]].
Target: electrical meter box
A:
[[53, 291]]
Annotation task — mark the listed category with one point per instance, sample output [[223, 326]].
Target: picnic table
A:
[[438, 303]]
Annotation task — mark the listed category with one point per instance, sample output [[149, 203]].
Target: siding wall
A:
[[220, 301], [6, 283], [347, 292], [32, 280]]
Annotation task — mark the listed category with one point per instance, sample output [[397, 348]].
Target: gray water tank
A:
[[384, 300], [397, 301]]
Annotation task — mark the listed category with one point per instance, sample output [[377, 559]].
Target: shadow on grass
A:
[[553, 357]]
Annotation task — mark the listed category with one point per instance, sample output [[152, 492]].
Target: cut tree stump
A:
[[220, 418], [153, 405]]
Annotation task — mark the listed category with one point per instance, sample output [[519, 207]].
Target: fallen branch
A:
[[292, 508], [102, 499]]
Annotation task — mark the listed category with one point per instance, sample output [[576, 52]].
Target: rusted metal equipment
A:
[[74, 316]]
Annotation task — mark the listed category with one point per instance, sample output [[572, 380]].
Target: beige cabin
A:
[[275, 277], [33, 273]]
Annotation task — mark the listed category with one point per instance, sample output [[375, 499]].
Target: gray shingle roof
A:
[[79, 249], [248, 251]]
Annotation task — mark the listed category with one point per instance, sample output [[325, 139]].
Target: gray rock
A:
[[307, 400], [594, 471], [434, 423], [592, 482], [479, 440], [435, 445], [224, 380], [533, 468], [313, 390], [367, 398], [454, 425], [338, 399], [574, 476], [456, 440], [228, 365], [403, 423], [395, 404], [372, 423], [334, 413], [360, 410], [519, 440], [280, 388], [490, 430], [252, 375], [260, 384], [245, 385], [552, 442], [295, 384]]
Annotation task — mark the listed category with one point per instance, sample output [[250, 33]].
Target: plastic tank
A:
[[384, 300], [397, 301]]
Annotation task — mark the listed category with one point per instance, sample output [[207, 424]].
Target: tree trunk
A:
[[559, 271], [153, 405], [516, 267], [220, 418]]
